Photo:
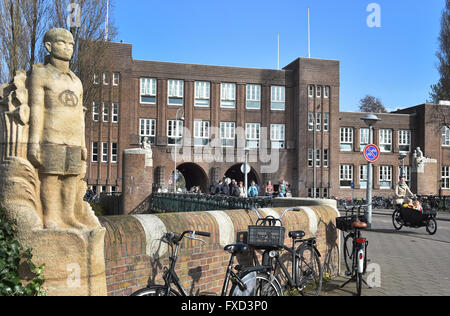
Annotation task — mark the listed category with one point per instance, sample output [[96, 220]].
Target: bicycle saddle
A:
[[297, 234], [359, 225], [236, 248]]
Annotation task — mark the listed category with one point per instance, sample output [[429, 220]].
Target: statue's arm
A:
[[84, 152], [36, 103]]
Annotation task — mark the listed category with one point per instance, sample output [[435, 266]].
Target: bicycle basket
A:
[[266, 236], [344, 223]]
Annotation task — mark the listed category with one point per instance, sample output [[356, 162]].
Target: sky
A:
[[395, 62]]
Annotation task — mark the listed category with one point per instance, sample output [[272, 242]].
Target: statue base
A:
[[74, 260]]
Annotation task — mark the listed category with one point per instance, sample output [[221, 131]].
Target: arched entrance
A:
[[236, 174], [194, 176]]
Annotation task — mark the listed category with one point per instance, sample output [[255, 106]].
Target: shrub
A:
[[12, 256]]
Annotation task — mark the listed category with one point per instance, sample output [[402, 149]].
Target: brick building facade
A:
[[229, 107]]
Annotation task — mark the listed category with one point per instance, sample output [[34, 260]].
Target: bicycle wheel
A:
[[155, 290], [348, 251], [309, 272], [431, 226], [264, 285], [397, 220]]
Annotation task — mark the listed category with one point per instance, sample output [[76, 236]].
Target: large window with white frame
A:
[[253, 99], [346, 176], [278, 135], [326, 122], [202, 94], [319, 91], [318, 158], [148, 90], [311, 121], [201, 133], [105, 151], [363, 176], [115, 113], [105, 112], [252, 134], [385, 173], [174, 132], [346, 138], [404, 140], [311, 90], [175, 92], [116, 79], [147, 128], [95, 111], [228, 133], [445, 136], [386, 140], [278, 98], [446, 177], [114, 152], [326, 158], [326, 93], [310, 157], [364, 138], [228, 95], [318, 122]]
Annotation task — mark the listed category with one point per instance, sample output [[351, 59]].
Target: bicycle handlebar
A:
[[293, 209], [175, 238]]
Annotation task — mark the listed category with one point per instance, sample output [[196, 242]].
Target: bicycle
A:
[[252, 281], [355, 246], [307, 273]]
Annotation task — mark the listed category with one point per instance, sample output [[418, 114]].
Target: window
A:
[[175, 92], [174, 132], [116, 79], [363, 176], [319, 91], [326, 158], [228, 133], [318, 122], [96, 79], [446, 177], [106, 78], [228, 95], [364, 138], [114, 151], [346, 139], [318, 158], [201, 133], [115, 113], [252, 134], [148, 90], [202, 94], [385, 140], [147, 128], [346, 176], [385, 177], [277, 135], [95, 111], [310, 157], [445, 136], [253, 97], [326, 94], [94, 151], [105, 152], [326, 122], [311, 91], [310, 122], [407, 173], [105, 112], [404, 141], [278, 98]]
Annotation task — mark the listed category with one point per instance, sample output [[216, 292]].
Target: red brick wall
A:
[[200, 268]]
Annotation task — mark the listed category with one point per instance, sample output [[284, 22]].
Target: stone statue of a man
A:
[[56, 138]]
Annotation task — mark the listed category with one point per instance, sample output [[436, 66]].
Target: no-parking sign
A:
[[372, 152]]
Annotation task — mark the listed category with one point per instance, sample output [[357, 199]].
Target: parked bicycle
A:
[[307, 274], [251, 281], [355, 246]]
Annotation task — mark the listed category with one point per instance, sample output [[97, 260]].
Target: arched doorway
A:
[[194, 176], [236, 174]]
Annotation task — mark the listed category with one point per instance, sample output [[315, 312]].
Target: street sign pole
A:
[[371, 154]]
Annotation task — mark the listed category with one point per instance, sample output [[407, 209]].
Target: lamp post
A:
[[370, 119], [246, 150], [402, 159], [176, 151]]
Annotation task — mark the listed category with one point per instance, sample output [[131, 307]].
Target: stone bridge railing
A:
[[134, 254]]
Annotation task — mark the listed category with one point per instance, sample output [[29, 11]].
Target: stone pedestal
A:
[[424, 176], [137, 177]]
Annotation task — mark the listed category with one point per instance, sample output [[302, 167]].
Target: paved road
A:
[[410, 262]]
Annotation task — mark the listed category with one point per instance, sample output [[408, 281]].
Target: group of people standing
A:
[[231, 187]]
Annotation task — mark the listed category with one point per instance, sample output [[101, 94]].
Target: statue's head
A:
[[59, 43]]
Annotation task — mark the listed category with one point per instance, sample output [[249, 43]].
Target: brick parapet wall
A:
[[134, 255]]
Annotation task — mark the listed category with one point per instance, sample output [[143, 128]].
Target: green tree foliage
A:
[[12, 256]]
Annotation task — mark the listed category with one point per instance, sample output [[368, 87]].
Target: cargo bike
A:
[[409, 217]]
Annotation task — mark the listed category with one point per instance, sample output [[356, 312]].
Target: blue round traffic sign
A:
[[371, 152]]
